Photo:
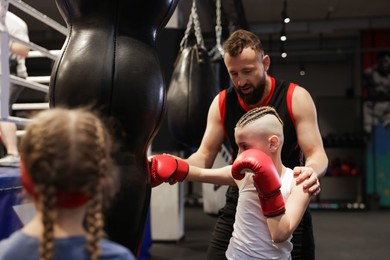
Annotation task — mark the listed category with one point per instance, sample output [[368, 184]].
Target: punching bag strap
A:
[[193, 20]]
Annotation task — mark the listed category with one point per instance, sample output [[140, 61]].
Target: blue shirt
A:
[[20, 246]]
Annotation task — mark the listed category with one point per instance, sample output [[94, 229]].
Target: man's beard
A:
[[255, 96]]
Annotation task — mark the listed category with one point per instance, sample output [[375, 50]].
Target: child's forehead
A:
[[246, 132]]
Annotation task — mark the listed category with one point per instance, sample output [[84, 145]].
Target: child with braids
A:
[[270, 203], [67, 169]]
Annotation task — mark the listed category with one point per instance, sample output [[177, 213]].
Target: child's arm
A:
[[282, 217], [282, 226], [167, 168], [220, 176], [265, 179]]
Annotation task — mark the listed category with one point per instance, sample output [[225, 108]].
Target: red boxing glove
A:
[[265, 178], [165, 167]]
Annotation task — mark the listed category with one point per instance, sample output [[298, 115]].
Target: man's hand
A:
[[308, 177]]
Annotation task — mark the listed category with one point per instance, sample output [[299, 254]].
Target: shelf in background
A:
[[338, 205]]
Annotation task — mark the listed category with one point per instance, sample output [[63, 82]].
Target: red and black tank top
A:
[[232, 108]]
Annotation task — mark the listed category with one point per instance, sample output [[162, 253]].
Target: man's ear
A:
[[266, 62], [273, 143]]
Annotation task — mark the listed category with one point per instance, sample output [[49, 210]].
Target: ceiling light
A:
[[302, 71], [283, 52], [283, 36], [285, 17]]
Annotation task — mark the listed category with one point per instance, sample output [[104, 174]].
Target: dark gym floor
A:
[[339, 235]]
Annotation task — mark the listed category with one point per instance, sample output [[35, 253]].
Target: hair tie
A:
[[71, 199], [26, 180], [65, 199]]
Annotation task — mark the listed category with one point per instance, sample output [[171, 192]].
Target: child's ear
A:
[[273, 143]]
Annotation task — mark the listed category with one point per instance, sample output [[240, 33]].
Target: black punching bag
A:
[[191, 91], [192, 87], [109, 60]]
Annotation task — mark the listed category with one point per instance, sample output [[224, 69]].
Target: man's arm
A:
[[203, 158], [282, 227], [212, 139], [20, 31], [309, 139], [19, 49]]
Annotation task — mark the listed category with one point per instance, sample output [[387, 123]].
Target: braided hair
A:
[[64, 151], [256, 113]]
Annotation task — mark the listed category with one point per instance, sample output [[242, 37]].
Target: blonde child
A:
[[67, 169]]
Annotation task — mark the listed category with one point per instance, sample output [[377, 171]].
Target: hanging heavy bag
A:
[[190, 94], [191, 90]]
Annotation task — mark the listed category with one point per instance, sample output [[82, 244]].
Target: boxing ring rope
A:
[[39, 83], [39, 16], [43, 51]]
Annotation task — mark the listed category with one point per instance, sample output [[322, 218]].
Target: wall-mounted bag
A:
[[192, 88]]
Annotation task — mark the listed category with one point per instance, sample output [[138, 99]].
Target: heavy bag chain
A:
[[193, 20], [217, 52]]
